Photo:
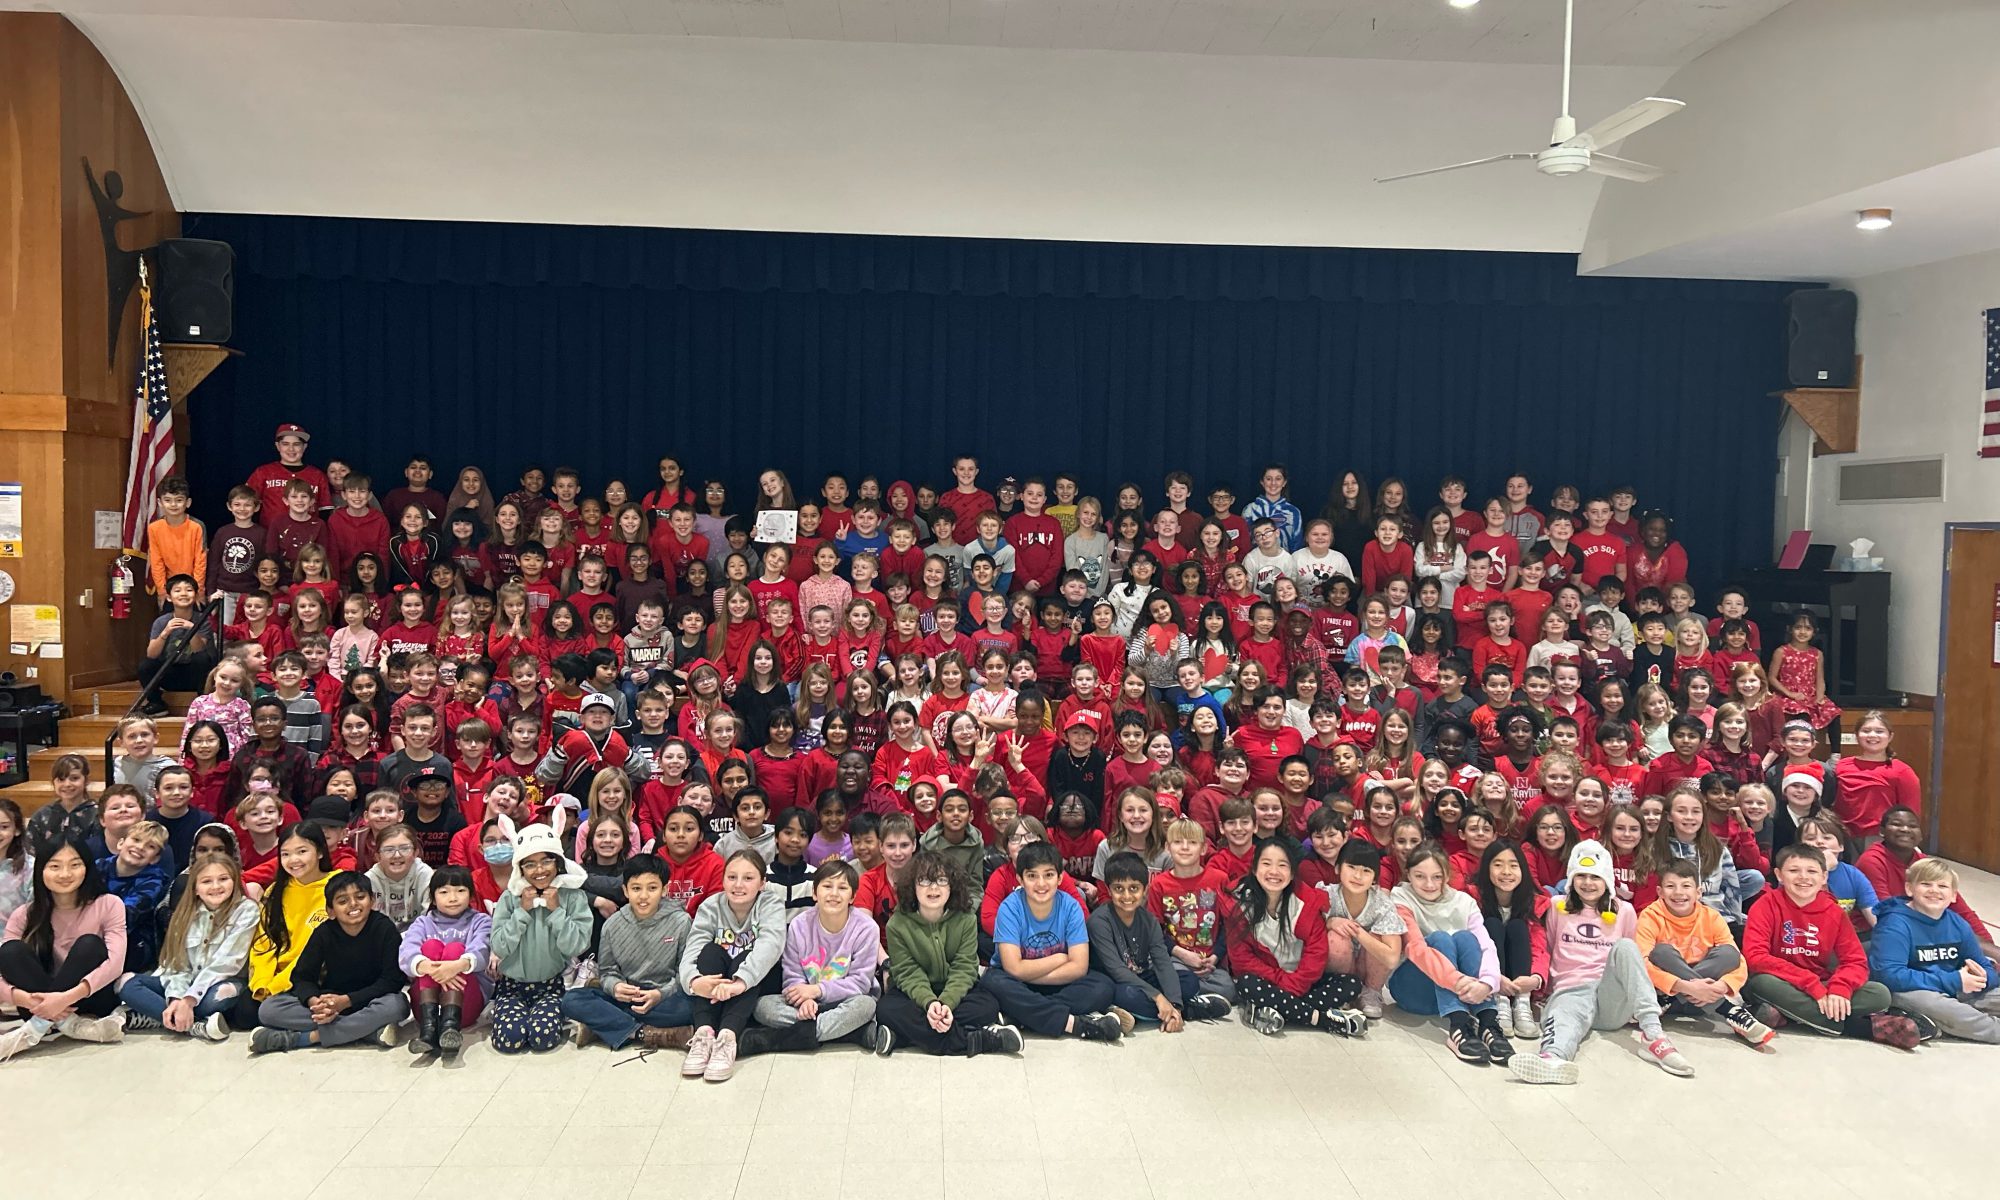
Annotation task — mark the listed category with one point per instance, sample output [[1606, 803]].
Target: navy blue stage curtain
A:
[[602, 348]]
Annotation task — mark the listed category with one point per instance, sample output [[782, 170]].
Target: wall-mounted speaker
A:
[[1820, 350], [195, 300]]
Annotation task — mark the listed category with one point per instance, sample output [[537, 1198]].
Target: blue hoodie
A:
[[1911, 952]]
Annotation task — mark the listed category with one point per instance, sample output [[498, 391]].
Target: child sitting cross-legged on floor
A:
[[638, 989], [346, 985], [1690, 955], [1129, 948], [204, 955], [1041, 973], [1450, 967], [1930, 959], [1807, 964], [1599, 979], [1276, 934]]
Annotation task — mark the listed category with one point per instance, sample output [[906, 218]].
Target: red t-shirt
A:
[[1503, 548], [1600, 553], [1266, 748], [1468, 611]]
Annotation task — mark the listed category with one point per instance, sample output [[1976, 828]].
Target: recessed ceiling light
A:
[[1873, 218], [1463, 3]]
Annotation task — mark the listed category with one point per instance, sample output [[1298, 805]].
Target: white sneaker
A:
[[18, 1039], [1542, 1068], [1525, 1025], [1371, 1003], [215, 1029], [93, 1029]]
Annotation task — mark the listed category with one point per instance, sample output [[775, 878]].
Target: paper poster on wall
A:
[[776, 525], [10, 520], [107, 529], [33, 624]]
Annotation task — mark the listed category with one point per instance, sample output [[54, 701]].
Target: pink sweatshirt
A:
[[1579, 943], [104, 916]]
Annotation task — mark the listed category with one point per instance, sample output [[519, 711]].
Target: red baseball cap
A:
[[285, 431], [1084, 717]]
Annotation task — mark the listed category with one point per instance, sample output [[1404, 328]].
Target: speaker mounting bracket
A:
[[1833, 414]]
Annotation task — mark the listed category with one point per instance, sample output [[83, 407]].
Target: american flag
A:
[[1989, 412], [152, 429]]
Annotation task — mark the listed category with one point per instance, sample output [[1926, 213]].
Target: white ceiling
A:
[[1609, 32]]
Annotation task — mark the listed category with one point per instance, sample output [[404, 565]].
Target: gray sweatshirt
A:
[[645, 954], [1127, 953], [754, 943]]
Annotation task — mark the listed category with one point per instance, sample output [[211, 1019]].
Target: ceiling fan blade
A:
[[1629, 120], [1477, 162], [1622, 168]]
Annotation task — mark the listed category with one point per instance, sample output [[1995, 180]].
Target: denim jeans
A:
[[143, 994], [1419, 995], [614, 1022]]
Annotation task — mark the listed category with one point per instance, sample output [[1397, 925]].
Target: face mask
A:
[[498, 854]]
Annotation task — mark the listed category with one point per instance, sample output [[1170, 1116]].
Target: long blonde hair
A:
[[173, 947]]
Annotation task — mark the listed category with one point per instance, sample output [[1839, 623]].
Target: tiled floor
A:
[[1215, 1111]]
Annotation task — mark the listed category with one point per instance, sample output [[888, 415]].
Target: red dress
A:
[[1799, 672]]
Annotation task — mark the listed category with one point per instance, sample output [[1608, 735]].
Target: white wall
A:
[[1921, 336]]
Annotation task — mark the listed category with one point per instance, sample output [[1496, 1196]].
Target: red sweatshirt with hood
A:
[[1812, 946]]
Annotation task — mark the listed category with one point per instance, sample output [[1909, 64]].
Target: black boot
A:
[[424, 1041], [450, 1030]]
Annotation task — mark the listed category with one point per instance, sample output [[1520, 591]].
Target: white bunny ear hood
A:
[[540, 839]]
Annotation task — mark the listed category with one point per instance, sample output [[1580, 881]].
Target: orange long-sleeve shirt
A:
[[176, 550]]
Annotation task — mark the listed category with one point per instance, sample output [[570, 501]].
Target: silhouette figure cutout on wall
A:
[[121, 266]]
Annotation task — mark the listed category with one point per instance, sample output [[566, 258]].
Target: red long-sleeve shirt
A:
[[1869, 789], [1377, 564], [1038, 550], [350, 535], [1249, 956]]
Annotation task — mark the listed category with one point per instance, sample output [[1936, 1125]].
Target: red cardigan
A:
[[1249, 956]]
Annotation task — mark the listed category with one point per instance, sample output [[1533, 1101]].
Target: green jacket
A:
[[934, 961], [965, 855]]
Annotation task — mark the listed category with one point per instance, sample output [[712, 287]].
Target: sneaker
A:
[[1206, 1007], [215, 1029], [1768, 1015], [1494, 1038], [1099, 1027], [582, 1035], [18, 1039], [266, 1040], [100, 1029], [1371, 1003], [1894, 1029], [389, 1036], [885, 1040], [1662, 1052], [665, 1037], [1542, 1068], [1525, 1025], [1000, 1039], [138, 1022], [1465, 1041], [1267, 1021], [1126, 1021], [1927, 1029], [1347, 1022], [1747, 1026], [700, 1046], [721, 1059]]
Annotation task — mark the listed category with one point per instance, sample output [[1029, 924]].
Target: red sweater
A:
[[783, 779], [1377, 564], [1869, 789], [350, 535], [1813, 947], [1038, 550]]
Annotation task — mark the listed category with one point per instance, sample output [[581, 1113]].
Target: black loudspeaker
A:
[[196, 295], [1820, 340]]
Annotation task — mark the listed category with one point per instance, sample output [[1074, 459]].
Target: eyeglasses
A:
[[397, 851]]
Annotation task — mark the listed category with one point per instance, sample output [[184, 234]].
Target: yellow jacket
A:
[[1693, 935], [305, 908]]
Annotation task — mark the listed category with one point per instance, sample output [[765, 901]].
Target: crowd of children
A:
[[951, 767]]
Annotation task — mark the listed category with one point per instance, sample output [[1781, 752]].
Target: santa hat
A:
[[1589, 857], [1812, 774]]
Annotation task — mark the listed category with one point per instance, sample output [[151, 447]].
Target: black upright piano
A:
[[1853, 612]]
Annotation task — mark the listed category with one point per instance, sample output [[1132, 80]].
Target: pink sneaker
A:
[[721, 1060], [700, 1047]]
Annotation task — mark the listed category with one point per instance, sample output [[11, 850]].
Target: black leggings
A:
[[26, 971], [735, 1013], [1515, 947], [1330, 992], [907, 1018]]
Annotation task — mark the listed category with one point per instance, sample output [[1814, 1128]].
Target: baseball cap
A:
[[597, 700], [425, 775], [297, 431], [1084, 717]]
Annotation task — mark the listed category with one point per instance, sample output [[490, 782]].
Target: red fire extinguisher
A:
[[122, 583]]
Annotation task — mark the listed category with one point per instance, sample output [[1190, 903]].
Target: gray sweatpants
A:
[[1974, 1020], [1621, 996], [1719, 961], [286, 1011], [831, 1025]]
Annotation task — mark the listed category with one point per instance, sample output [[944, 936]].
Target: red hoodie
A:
[[691, 882], [1249, 956], [1812, 947]]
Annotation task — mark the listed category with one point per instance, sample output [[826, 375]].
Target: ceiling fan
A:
[[1569, 151]]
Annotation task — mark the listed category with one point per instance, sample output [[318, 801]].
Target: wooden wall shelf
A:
[[1833, 414], [189, 363]]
